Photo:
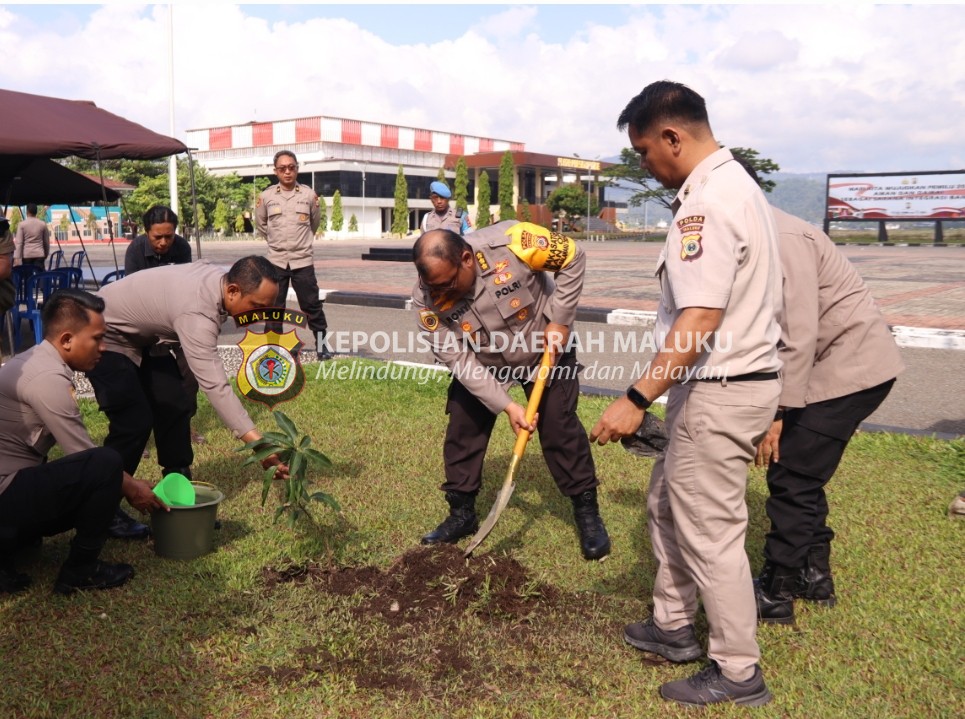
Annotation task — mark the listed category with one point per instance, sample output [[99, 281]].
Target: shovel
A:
[[502, 499]]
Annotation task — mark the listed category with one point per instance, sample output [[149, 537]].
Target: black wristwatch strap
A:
[[639, 401], [779, 415]]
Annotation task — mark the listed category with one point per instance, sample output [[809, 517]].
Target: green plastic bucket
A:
[[187, 532]]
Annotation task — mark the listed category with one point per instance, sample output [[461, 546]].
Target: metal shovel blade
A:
[[502, 500]]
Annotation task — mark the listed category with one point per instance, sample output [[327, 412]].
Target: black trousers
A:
[[565, 445], [141, 400], [305, 284], [80, 491], [812, 443]]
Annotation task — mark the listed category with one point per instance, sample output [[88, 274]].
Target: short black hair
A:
[[662, 101], [31, 209], [159, 214], [443, 244], [283, 153], [68, 309], [249, 272]]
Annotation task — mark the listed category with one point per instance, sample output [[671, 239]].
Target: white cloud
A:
[[861, 87]]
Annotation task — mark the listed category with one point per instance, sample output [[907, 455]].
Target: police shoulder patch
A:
[[429, 320]]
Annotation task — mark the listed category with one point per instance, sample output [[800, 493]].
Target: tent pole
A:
[[194, 204], [110, 225]]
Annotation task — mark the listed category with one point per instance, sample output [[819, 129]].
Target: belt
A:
[[749, 377]]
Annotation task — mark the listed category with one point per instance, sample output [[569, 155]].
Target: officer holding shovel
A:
[[489, 303]]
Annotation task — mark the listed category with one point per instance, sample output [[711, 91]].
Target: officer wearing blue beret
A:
[[443, 216]]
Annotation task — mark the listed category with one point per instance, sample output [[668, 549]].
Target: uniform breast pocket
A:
[[303, 211], [515, 303], [666, 296], [274, 213]]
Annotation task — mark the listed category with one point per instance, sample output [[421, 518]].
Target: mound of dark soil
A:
[[435, 624]]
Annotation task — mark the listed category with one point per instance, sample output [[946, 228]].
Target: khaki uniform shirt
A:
[[721, 253], [498, 327], [835, 341], [32, 239], [37, 411], [449, 220], [176, 303], [288, 220]]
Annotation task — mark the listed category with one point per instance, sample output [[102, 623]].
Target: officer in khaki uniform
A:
[[80, 490], [32, 239], [840, 362], [718, 329], [488, 305], [287, 215]]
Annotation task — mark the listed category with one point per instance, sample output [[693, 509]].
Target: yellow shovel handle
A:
[[534, 398]]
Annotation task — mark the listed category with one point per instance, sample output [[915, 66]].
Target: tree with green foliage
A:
[[338, 219], [220, 218], [15, 219], [353, 223], [441, 175], [507, 209], [64, 224], [483, 218], [461, 190], [240, 223], [202, 222], [525, 215], [568, 202], [630, 175], [91, 223], [400, 212], [322, 216]]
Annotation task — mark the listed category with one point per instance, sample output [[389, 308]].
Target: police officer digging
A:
[[488, 304]]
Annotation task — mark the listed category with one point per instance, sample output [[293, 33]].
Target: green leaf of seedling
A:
[[249, 445], [265, 453], [266, 485], [286, 425], [278, 438], [317, 456], [327, 499], [306, 440], [280, 511]]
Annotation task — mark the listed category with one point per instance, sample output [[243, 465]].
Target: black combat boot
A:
[[594, 541], [321, 349], [774, 591], [817, 585], [461, 522]]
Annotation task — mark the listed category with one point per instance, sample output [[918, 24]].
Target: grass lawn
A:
[[318, 622]]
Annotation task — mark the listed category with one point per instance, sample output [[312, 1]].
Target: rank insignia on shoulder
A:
[[481, 261], [429, 320], [690, 247], [501, 265], [502, 278]]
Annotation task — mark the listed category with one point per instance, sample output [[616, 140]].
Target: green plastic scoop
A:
[[175, 490]]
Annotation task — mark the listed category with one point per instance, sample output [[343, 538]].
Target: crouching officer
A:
[[489, 304], [79, 491]]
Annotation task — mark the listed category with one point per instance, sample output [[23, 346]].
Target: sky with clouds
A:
[[817, 88]]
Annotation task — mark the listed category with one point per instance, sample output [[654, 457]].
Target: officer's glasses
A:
[[286, 168], [442, 286]]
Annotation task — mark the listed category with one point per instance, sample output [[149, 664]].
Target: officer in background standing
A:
[[444, 216], [489, 306], [717, 329], [840, 363], [32, 239], [287, 215]]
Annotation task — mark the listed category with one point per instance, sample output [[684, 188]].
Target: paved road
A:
[[918, 286]]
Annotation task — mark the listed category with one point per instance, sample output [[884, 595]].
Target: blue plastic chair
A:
[[55, 260], [77, 259], [73, 276], [39, 288], [19, 276], [112, 277]]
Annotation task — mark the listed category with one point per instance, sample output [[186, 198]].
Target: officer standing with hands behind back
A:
[[287, 215]]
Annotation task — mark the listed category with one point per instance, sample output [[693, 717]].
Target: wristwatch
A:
[[639, 401], [779, 415]]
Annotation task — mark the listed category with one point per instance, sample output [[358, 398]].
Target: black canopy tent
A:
[[36, 126]]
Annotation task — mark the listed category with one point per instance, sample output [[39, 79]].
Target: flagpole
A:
[[172, 161]]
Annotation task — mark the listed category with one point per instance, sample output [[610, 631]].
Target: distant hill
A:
[[800, 194]]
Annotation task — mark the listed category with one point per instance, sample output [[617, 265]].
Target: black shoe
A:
[[774, 592], [461, 522], [97, 575], [321, 348], [12, 581], [678, 645], [124, 526], [709, 686], [817, 584], [594, 540]]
